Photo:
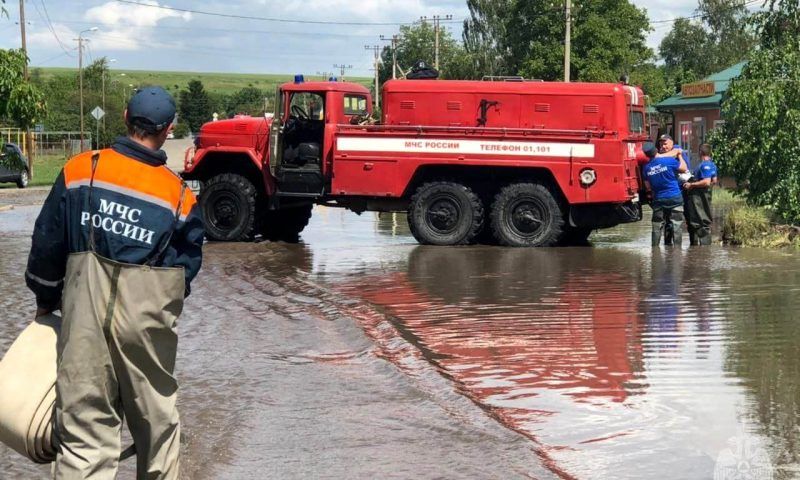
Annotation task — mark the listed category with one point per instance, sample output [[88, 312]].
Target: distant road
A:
[[175, 151]]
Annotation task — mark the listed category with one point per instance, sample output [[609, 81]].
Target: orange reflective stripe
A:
[[156, 185], [189, 201]]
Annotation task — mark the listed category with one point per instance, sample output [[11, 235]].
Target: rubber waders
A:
[[114, 359]]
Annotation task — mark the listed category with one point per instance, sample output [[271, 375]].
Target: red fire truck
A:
[[519, 163]]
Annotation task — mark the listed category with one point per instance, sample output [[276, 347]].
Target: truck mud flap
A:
[[604, 216]]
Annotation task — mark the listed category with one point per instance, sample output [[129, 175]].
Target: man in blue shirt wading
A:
[[698, 199], [661, 179]]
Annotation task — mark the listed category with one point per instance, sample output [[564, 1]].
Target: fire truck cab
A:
[[511, 162]]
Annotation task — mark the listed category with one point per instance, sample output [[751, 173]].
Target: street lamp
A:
[[80, 72]]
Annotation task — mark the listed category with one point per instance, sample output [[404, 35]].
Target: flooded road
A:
[[361, 354]]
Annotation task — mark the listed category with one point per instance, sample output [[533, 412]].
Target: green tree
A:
[[685, 49], [194, 107], [485, 36], [758, 143], [721, 37], [248, 100], [21, 103], [523, 37], [417, 43]]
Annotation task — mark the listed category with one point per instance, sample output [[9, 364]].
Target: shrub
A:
[[181, 130]]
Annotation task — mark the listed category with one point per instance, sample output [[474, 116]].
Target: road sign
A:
[[98, 113]]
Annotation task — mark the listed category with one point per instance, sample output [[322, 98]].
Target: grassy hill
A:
[[212, 81]]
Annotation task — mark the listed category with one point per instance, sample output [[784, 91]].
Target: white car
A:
[[170, 136]]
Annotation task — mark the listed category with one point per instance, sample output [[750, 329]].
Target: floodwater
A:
[[360, 354]]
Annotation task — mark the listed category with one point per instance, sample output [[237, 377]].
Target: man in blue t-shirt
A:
[[698, 199], [666, 145], [661, 180]]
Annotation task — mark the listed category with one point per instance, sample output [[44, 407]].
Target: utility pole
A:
[[437, 19], [567, 40], [395, 40], [80, 41], [375, 49], [103, 88], [342, 68], [28, 136]]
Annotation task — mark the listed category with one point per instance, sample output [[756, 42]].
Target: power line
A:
[[702, 15], [238, 31], [64, 54], [46, 19], [265, 19]]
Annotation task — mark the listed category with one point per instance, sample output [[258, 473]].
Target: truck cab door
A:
[[276, 134], [298, 139]]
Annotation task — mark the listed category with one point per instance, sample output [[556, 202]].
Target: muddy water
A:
[[361, 354]]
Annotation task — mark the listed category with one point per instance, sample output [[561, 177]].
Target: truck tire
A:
[[285, 224], [228, 203], [526, 215], [445, 213]]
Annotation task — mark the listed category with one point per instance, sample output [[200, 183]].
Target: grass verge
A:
[[46, 168], [750, 226]]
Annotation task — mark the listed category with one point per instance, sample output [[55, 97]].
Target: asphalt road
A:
[[175, 152]]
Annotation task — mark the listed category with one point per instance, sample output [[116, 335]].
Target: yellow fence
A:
[[15, 135], [67, 143]]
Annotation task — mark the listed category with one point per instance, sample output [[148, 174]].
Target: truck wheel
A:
[[526, 215], [22, 180], [445, 213], [228, 203], [285, 224]]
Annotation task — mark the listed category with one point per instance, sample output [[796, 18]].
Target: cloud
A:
[[124, 26], [114, 14]]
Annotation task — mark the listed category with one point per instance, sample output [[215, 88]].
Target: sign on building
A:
[[697, 89]]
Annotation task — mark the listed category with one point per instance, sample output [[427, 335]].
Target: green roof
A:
[[721, 81]]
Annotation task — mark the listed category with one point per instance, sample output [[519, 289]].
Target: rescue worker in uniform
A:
[[698, 199], [667, 146], [661, 180], [115, 248]]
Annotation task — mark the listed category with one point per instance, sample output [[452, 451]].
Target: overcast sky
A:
[[142, 37]]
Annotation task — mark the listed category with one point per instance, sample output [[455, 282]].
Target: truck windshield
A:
[[355, 105], [636, 121], [308, 105]]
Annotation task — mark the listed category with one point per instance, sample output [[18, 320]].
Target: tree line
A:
[[520, 37]]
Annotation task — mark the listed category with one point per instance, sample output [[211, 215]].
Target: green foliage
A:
[[653, 81], [181, 130], [758, 144], [721, 37], [247, 101], [485, 36], [194, 108], [522, 37], [749, 226], [745, 225], [21, 103], [418, 43]]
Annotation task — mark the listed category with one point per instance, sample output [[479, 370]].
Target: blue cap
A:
[[649, 149], [152, 109]]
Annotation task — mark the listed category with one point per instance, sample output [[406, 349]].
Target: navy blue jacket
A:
[[134, 200]]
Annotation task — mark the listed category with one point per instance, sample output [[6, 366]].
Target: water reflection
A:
[[609, 359]]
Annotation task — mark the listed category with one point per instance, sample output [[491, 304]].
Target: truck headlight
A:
[[588, 176]]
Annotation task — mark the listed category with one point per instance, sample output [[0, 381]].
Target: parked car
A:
[[13, 165]]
